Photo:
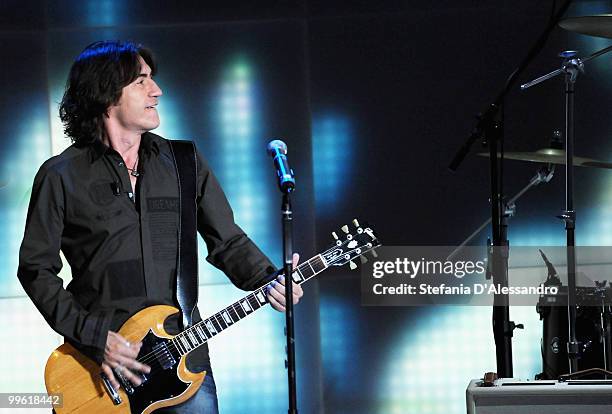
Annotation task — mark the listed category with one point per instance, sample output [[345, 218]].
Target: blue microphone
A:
[[278, 150]]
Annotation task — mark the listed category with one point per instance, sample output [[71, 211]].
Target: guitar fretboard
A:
[[202, 331]]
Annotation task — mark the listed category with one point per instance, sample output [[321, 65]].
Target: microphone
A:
[[278, 150], [553, 278]]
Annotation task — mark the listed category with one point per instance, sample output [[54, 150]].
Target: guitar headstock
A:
[[352, 242]]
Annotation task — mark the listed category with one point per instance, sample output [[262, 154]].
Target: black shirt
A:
[[121, 247]]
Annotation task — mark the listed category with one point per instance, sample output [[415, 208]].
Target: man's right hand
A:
[[120, 355]]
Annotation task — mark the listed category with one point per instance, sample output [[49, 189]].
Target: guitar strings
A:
[[216, 316], [155, 354], [152, 356], [172, 345]]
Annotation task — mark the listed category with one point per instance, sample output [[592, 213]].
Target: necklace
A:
[[134, 170]]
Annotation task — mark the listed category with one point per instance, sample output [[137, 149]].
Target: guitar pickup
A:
[[164, 356], [110, 390], [125, 383]]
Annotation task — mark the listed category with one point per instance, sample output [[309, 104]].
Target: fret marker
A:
[[185, 343], [227, 318], [260, 297], [296, 277], [211, 327], [201, 331], [193, 338], [246, 306]]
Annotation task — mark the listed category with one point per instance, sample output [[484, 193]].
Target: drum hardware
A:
[[489, 129], [571, 68], [542, 176], [597, 25], [552, 156], [593, 313]]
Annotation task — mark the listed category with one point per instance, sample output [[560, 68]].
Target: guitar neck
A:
[[202, 331]]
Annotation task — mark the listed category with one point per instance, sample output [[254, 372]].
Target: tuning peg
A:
[[335, 235], [356, 223], [374, 254], [345, 228], [352, 265], [363, 259]]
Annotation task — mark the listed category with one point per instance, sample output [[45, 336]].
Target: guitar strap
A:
[[187, 262]]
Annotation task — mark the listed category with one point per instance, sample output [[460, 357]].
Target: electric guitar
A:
[[85, 390]]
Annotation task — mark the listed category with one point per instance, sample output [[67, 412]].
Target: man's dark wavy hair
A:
[[95, 83]]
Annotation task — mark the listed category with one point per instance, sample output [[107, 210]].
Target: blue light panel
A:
[[104, 12], [242, 176], [339, 331], [458, 343], [331, 151], [29, 149], [245, 383]]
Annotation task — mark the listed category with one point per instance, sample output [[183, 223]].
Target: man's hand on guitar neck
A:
[[276, 294], [120, 355]]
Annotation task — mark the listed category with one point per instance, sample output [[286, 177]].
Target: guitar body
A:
[[78, 379]]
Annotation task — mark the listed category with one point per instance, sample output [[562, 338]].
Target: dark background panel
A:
[[20, 15], [23, 81], [67, 14]]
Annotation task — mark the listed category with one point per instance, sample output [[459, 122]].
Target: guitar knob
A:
[[356, 223], [345, 229], [352, 265], [335, 235]]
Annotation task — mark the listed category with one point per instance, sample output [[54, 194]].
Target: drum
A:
[[593, 329]]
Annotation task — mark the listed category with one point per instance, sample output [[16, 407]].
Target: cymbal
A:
[[551, 156], [598, 25]]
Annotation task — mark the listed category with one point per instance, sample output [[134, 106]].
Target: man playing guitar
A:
[[109, 203]]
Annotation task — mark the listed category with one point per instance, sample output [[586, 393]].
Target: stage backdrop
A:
[[373, 99]]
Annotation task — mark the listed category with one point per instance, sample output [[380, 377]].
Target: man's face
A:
[[136, 110]]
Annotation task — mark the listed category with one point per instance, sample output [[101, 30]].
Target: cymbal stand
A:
[[543, 175], [571, 67]]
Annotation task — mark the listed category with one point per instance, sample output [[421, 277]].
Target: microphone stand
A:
[[490, 128], [498, 253], [286, 183], [289, 317]]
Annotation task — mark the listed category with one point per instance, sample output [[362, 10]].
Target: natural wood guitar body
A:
[[78, 379]]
